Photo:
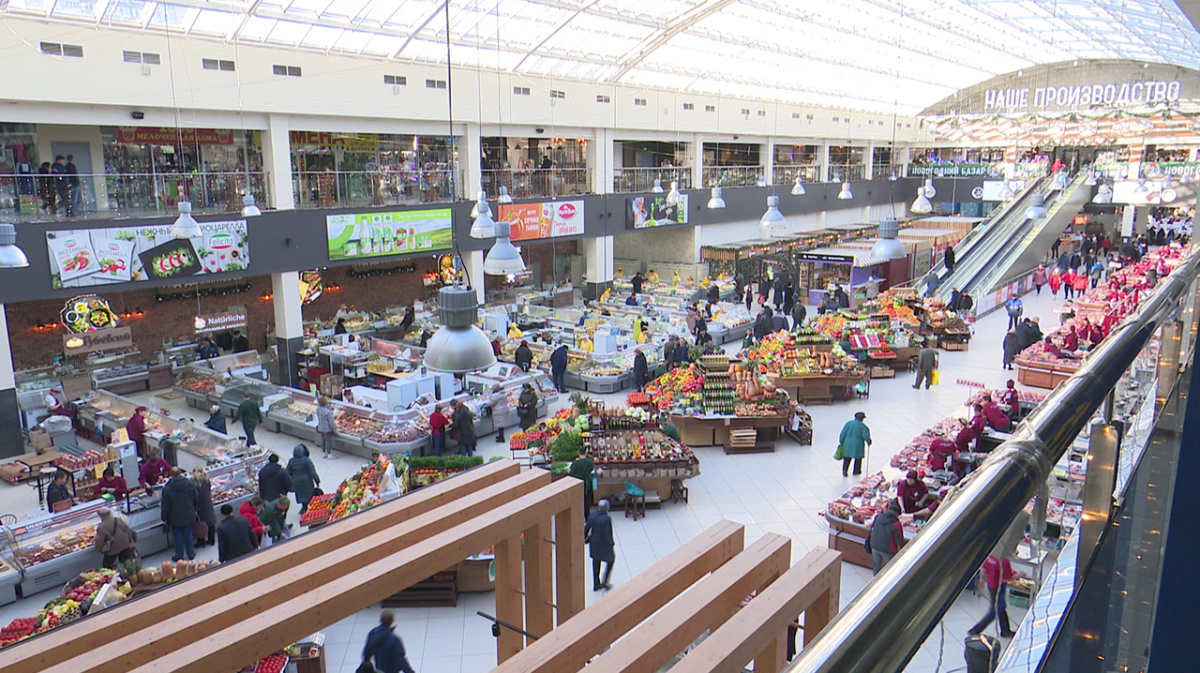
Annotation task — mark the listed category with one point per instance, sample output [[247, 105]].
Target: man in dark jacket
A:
[[234, 536], [762, 326], [250, 415], [386, 647], [949, 258], [1012, 348], [62, 182], [273, 480], [558, 368], [843, 299], [887, 536], [598, 533], [799, 315], [523, 356], [241, 343], [641, 371], [637, 282], [927, 361], [179, 502]]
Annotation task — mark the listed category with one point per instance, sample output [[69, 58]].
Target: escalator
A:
[[977, 244]]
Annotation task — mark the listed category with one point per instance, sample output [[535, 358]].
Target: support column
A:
[[473, 264], [472, 163], [601, 161], [509, 608], [277, 162], [11, 442], [598, 254], [824, 161], [869, 162], [904, 158], [697, 154], [570, 570], [767, 161], [289, 325]]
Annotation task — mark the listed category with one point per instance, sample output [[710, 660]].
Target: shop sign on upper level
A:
[[1095, 87]]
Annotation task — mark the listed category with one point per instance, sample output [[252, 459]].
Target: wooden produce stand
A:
[[1042, 374], [817, 388], [849, 539], [717, 430]]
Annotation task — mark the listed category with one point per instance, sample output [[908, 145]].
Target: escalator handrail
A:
[[882, 629], [1051, 209]]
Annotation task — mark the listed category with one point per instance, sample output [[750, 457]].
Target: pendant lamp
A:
[[929, 189], [483, 226], [1103, 195], [887, 247], [798, 187], [922, 204], [503, 259], [845, 194], [772, 220], [673, 196], [479, 196], [762, 182], [1141, 187], [894, 177], [657, 188], [504, 197], [249, 209], [11, 254], [1038, 209], [185, 225], [1091, 179], [459, 346], [716, 201]]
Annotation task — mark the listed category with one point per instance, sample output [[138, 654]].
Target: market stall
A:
[[858, 272], [756, 259], [805, 367], [102, 413]]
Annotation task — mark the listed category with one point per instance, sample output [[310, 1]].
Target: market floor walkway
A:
[[783, 492]]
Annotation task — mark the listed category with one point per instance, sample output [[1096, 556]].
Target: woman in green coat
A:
[[855, 439], [583, 469]]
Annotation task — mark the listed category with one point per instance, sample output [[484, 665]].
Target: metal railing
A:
[[525, 183], [785, 174], [881, 630], [341, 189], [846, 172], [41, 197], [633, 179], [886, 171], [733, 176]]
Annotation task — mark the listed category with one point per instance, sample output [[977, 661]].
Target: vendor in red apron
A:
[[912, 493], [996, 419], [1010, 397]]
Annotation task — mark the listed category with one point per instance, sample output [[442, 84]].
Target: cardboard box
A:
[[14, 473], [39, 440]]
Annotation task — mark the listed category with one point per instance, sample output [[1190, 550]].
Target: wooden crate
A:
[[882, 372], [954, 345]]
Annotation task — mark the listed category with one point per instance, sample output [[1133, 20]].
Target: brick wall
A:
[[542, 253], [172, 320]]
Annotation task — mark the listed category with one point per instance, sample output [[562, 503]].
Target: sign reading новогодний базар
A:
[[117, 338]]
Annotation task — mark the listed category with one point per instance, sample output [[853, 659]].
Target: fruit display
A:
[[354, 425], [201, 384], [275, 663], [617, 447], [603, 370], [893, 306], [402, 432], [426, 470], [18, 629], [319, 509], [680, 387], [363, 489], [637, 399], [780, 354]]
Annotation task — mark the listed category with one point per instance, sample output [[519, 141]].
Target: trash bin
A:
[[982, 653]]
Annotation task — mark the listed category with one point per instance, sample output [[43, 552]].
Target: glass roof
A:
[[879, 55]]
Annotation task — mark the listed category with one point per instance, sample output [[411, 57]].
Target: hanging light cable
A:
[[185, 225]]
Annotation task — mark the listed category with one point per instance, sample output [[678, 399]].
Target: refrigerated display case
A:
[[200, 386], [354, 424], [10, 570], [294, 413], [248, 363], [263, 393], [234, 481], [403, 433]]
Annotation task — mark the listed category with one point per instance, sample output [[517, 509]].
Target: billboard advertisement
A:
[[365, 235], [549, 219], [654, 211], [90, 257]]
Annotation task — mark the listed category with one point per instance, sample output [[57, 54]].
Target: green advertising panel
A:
[[363, 235]]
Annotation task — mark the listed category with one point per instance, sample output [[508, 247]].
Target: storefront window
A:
[[331, 169], [18, 163]]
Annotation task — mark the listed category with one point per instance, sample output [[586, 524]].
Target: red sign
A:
[[144, 135], [550, 219], [971, 384]]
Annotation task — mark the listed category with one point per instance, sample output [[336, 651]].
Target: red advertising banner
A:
[[550, 219], [145, 135]]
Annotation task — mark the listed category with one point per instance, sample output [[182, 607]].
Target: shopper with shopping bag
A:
[[927, 362]]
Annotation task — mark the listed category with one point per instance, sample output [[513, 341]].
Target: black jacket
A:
[[241, 344], [558, 359], [56, 493], [523, 357], [1012, 346], [179, 502], [799, 313], [273, 481], [640, 367], [234, 538], [464, 422], [885, 534]]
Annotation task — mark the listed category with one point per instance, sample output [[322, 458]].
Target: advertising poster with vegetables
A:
[[531, 221], [90, 257], [382, 234]]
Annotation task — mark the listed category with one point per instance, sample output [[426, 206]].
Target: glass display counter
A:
[[10, 570], [247, 363], [294, 413], [354, 424], [237, 387], [407, 432], [234, 481], [200, 386]]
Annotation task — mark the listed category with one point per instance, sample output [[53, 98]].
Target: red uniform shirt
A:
[[438, 423]]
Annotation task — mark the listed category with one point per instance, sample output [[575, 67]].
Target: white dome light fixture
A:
[[772, 220], [459, 346], [503, 259], [249, 208], [484, 226], [504, 197], [798, 187], [716, 201], [657, 188], [922, 205], [1091, 179], [1104, 194], [673, 196], [1038, 209], [845, 194], [887, 247], [930, 191], [185, 225], [894, 176], [11, 254]]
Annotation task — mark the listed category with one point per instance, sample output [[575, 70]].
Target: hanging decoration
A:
[[220, 291], [382, 271]]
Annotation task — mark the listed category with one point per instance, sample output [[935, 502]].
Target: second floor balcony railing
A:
[[846, 172], [40, 197], [527, 183], [341, 189], [785, 174], [733, 176], [636, 179]]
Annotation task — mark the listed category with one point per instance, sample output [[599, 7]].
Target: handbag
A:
[[840, 452], [200, 530], [934, 377], [365, 667], [317, 491]]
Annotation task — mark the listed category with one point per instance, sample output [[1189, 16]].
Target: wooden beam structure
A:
[[574, 642], [808, 587], [704, 607], [107, 626]]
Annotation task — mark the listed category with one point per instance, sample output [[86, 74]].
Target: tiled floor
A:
[[782, 492]]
